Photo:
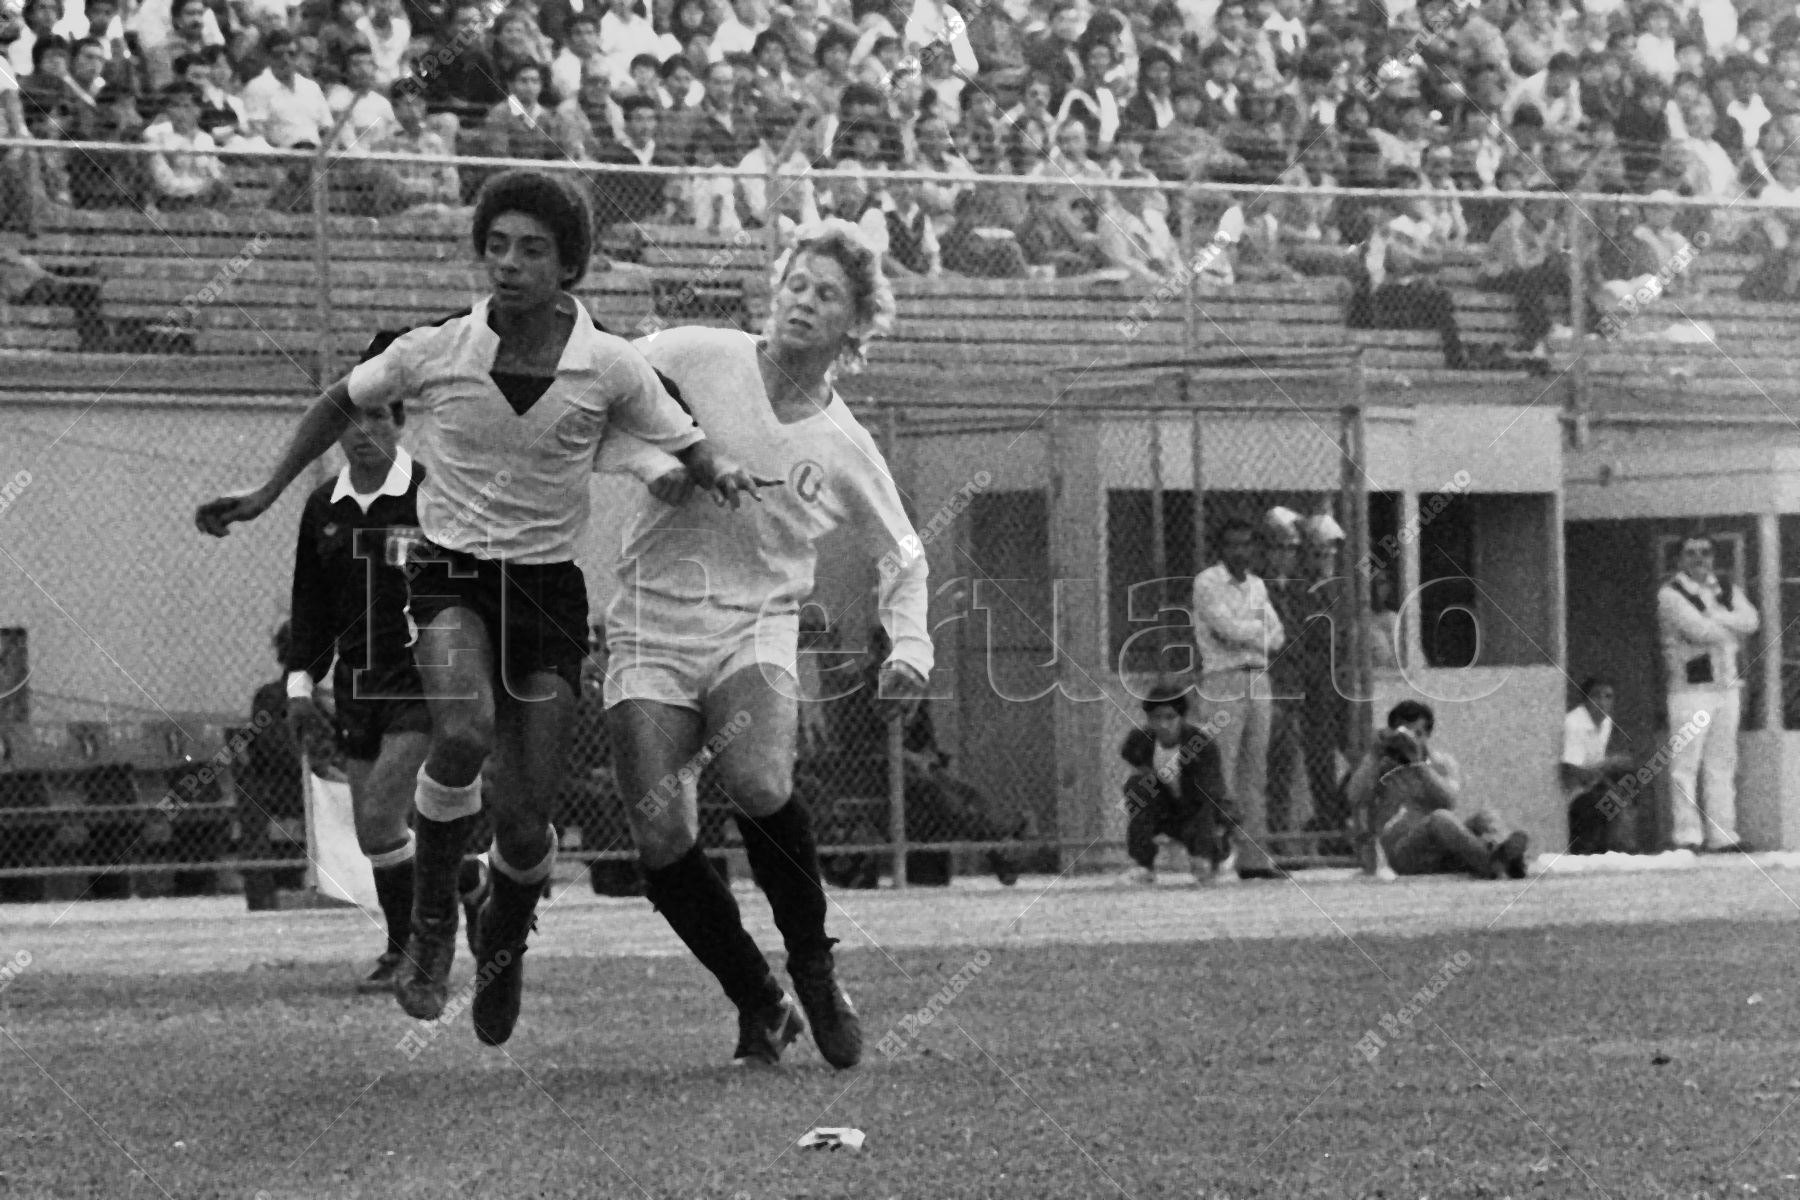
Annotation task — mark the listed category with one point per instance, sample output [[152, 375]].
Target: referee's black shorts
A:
[[374, 703], [536, 614]]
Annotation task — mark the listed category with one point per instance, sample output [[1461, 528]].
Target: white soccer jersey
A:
[[507, 468], [760, 560]]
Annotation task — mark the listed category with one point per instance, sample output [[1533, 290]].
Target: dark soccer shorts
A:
[[536, 615], [375, 703]]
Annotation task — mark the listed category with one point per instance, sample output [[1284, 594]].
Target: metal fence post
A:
[[321, 211], [1190, 327], [896, 730], [1580, 401]]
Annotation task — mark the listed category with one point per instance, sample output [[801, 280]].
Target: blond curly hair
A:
[[870, 292]]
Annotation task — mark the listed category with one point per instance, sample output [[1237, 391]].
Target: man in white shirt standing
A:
[[1588, 772], [1236, 629], [1703, 618]]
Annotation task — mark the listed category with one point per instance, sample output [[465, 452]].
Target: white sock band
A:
[[527, 875], [441, 802], [403, 853]]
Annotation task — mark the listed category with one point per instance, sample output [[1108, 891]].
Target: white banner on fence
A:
[[338, 863]]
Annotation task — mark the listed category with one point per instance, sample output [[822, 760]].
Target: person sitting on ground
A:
[[1403, 792], [1176, 790], [1588, 772]]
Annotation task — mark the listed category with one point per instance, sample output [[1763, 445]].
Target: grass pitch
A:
[[1635, 1059]]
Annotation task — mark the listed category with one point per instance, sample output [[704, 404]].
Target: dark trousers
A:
[[1311, 731], [1541, 294], [1595, 826], [1412, 305], [1159, 811]]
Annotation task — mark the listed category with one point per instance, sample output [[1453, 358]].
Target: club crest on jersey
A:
[[807, 479]]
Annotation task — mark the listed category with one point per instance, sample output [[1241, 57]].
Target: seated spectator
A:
[[825, 84], [105, 178], [1185, 149], [998, 41], [50, 162], [48, 81], [626, 32], [221, 113], [1389, 288], [522, 127], [187, 36], [389, 33], [1536, 37], [1090, 101], [364, 117], [713, 198], [903, 235], [1449, 227], [284, 107], [679, 89], [1259, 136], [1310, 219], [1055, 239], [1708, 173], [346, 31], [937, 152], [401, 187], [1527, 257], [1642, 128], [968, 246], [1588, 773], [1404, 791], [82, 87], [1361, 151], [581, 58], [1654, 52], [628, 198], [1150, 205], [940, 806], [186, 171], [516, 41], [1152, 108], [466, 80], [1176, 790], [1554, 91]]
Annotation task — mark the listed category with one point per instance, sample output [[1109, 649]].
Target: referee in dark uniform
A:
[[349, 604]]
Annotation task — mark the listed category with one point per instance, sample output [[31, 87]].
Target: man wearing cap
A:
[[1236, 630], [1703, 618]]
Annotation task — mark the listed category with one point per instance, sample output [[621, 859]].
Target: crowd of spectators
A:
[[1701, 98]]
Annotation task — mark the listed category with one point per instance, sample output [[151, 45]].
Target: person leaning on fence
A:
[[1404, 791], [1388, 288], [1703, 618], [1176, 790], [1589, 774]]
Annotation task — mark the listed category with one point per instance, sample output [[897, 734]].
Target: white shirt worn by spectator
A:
[[187, 165], [1286, 34], [624, 38], [362, 121], [1656, 55], [1235, 626], [1560, 113], [506, 484], [154, 23], [1700, 636], [287, 116], [18, 55], [1584, 741], [389, 49]]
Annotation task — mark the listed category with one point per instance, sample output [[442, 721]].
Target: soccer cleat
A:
[[423, 984], [506, 919], [1511, 855], [1140, 875], [835, 1026], [381, 979], [1003, 867], [765, 1033]]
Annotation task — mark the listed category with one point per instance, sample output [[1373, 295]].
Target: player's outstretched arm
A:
[[319, 430]]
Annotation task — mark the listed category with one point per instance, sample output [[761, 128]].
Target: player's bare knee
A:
[[465, 738], [758, 793]]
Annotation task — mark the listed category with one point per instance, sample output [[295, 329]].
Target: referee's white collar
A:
[[399, 479], [579, 354]]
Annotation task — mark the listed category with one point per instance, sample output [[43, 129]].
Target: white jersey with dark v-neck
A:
[[702, 571], [507, 457]]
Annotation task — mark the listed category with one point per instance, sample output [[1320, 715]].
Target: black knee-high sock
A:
[[394, 891], [784, 859], [437, 863], [704, 914]]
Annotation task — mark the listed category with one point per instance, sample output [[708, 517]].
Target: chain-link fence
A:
[[137, 323]]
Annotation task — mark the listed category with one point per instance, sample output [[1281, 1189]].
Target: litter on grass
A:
[[832, 1138]]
